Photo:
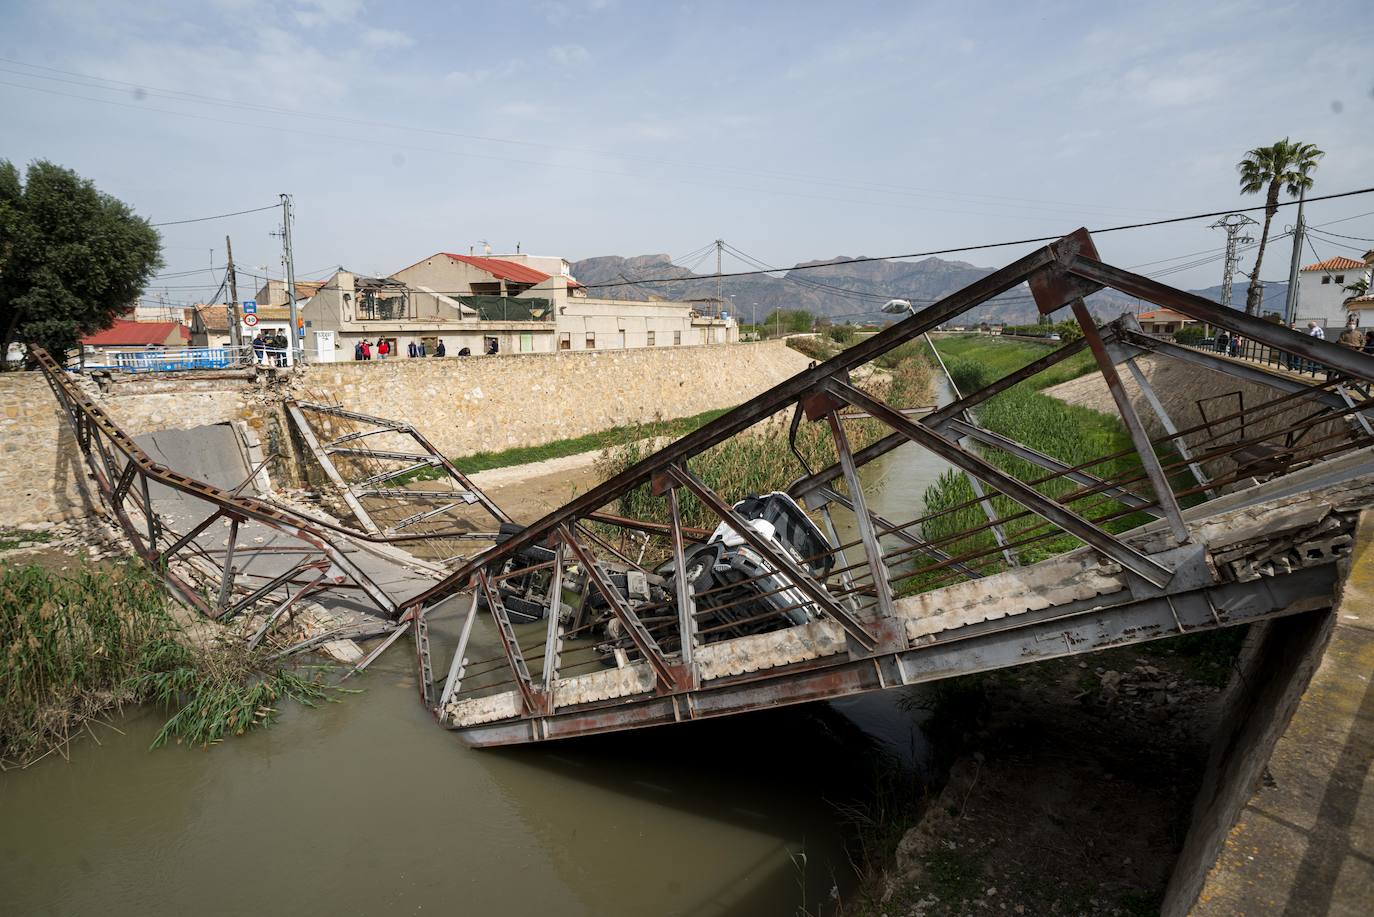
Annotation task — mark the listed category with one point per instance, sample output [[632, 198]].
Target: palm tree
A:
[[1285, 165]]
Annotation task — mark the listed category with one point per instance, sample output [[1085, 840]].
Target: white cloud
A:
[[312, 13], [385, 39], [570, 55]]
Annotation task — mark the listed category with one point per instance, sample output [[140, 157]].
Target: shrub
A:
[[1189, 335]]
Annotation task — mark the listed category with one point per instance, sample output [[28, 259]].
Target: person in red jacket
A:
[[367, 350], [383, 348]]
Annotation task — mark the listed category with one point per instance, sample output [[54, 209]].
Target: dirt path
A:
[[527, 492]]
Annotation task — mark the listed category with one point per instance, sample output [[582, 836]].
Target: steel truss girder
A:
[[1105, 622], [102, 430], [1157, 602], [467, 492]]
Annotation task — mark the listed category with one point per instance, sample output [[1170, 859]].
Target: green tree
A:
[[1287, 165], [71, 258]]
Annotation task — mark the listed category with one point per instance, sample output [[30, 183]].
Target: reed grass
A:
[[73, 647], [760, 461]]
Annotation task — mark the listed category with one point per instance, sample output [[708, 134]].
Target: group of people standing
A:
[[363, 350], [269, 348]]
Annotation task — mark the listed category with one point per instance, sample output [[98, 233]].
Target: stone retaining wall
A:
[[480, 404], [462, 404], [1179, 386], [38, 454]]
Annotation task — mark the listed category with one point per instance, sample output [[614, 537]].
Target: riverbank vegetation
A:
[[761, 460], [74, 648]]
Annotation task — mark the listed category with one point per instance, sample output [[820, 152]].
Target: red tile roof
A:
[[1338, 263], [138, 334], [1163, 315], [498, 267]]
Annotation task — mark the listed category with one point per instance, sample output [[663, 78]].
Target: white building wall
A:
[[1322, 296]]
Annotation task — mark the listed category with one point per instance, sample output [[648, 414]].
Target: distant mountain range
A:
[[844, 292]]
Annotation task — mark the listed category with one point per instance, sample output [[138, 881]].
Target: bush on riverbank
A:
[[73, 647]]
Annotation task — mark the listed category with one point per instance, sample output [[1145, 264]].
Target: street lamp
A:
[[897, 307]]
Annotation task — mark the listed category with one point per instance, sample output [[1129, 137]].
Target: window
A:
[[526, 342], [490, 345], [677, 337], [565, 341], [650, 341], [1340, 278], [622, 340], [591, 340], [1326, 278]]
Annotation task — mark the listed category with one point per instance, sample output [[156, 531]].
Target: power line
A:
[[1339, 235], [218, 216], [987, 245]]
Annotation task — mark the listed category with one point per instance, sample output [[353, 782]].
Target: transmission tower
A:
[[1233, 223]]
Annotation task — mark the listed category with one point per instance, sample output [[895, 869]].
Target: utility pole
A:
[[720, 299], [1290, 305], [290, 262], [235, 334], [1233, 223]]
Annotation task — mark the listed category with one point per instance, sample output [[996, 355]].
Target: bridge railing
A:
[[589, 606]]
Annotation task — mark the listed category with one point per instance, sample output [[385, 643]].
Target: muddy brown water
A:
[[365, 807]]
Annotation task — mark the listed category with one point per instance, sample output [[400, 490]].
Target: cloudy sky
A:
[[792, 130]]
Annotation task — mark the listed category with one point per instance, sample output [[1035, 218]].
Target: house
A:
[[103, 347], [1321, 289], [579, 321], [273, 292], [351, 307], [1164, 321], [210, 325]]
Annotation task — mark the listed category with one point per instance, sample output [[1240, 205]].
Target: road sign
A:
[[250, 307], [250, 320]]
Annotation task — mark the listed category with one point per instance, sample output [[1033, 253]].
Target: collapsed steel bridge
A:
[[1244, 516], [237, 556]]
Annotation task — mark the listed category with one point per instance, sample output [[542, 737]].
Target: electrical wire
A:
[[218, 216], [987, 245]]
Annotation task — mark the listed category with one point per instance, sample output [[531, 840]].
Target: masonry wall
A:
[[38, 454], [463, 405], [476, 404]]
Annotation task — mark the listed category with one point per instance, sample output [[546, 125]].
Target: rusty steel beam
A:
[[103, 429], [330, 471], [1143, 447], [644, 642], [686, 601], [534, 702], [873, 549], [1351, 362]]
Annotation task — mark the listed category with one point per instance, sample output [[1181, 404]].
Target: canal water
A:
[[365, 807]]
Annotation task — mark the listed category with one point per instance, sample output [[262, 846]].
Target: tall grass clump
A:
[[72, 647]]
